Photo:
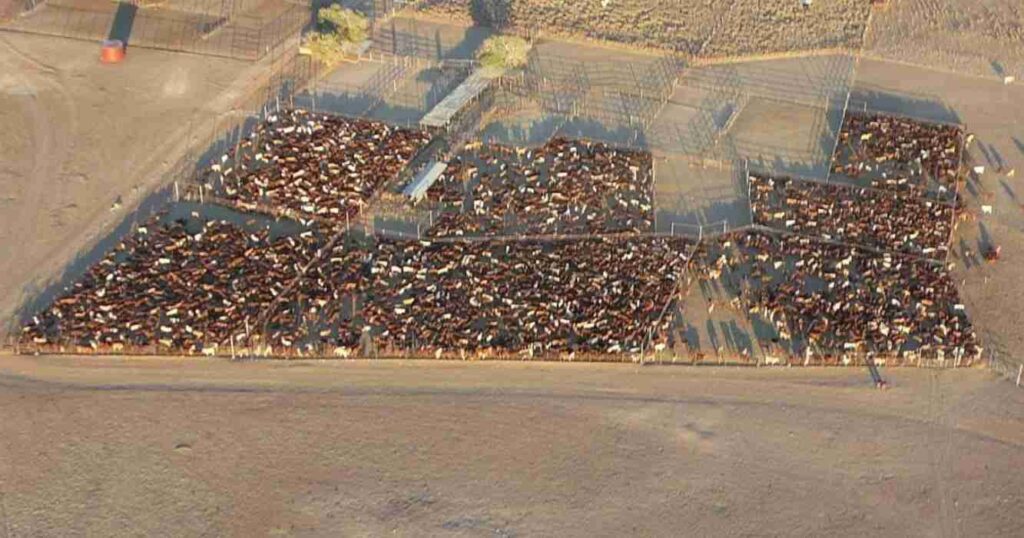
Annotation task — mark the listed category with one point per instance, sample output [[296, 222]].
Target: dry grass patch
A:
[[710, 27]]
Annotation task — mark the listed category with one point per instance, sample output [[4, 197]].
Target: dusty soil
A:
[[116, 447], [982, 37], [79, 136]]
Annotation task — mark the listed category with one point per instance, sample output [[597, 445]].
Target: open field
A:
[[981, 37], [158, 446], [70, 152], [699, 27]]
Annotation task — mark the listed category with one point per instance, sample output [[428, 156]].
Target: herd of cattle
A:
[[831, 268]]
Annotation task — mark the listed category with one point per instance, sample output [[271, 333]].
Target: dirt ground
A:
[[83, 142], [118, 447]]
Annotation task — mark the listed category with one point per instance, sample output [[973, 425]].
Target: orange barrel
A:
[[112, 52]]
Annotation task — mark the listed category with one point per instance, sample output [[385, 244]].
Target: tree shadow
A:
[[432, 41], [495, 14]]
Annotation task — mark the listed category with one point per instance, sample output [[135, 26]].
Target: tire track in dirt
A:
[[4, 516], [940, 452], [46, 104]]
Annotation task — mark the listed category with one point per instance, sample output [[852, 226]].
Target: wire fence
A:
[[254, 346], [248, 35], [398, 90], [415, 227]]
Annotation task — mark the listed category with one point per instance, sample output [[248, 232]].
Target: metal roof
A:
[[470, 88], [426, 177]]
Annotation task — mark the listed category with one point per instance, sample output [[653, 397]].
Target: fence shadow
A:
[[43, 295], [924, 107]]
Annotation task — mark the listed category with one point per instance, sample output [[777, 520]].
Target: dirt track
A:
[[79, 136], [106, 447]]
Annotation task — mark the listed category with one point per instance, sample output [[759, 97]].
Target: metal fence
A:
[[399, 91], [176, 26]]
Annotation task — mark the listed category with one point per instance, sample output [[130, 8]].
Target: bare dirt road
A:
[[160, 447]]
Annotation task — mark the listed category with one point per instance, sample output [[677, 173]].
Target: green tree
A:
[[338, 29], [503, 52], [348, 25]]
